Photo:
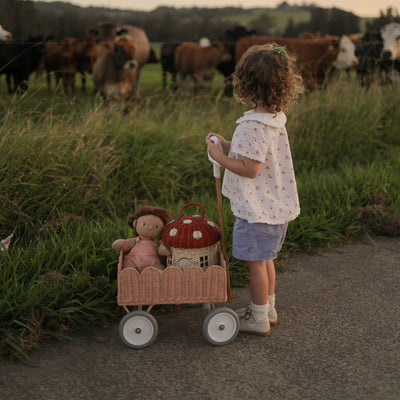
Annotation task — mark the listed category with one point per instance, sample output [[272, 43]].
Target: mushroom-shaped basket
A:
[[193, 240]]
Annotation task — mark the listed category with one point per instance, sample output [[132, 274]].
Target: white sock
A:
[[271, 302], [259, 312]]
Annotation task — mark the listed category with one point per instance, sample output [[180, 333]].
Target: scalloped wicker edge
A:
[[171, 286]]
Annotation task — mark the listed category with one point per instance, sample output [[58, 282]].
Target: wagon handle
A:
[[217, 176], [192, 204], [223, 240]]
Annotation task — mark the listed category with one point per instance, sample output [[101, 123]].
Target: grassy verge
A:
[[71, 171]]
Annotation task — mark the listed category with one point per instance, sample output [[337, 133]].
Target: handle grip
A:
[[216, 165]]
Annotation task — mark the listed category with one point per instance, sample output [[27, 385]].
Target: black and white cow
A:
[[368, 52], [391, 52]]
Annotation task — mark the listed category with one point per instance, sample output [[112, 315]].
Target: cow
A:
[[86, 52], [168, 60], [346, 58], [18, 60], [62, 59], [168, 63], [4, 35], [368, 52], [105, 32], [200, 63], [114, 72], [143, 54], [390, 52], [142, 49], [315, 58], [391, 41], [226, 68]]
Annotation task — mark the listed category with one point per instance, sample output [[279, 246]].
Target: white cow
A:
[[346, 57], [391, 53], [391, 40], [4, 35]]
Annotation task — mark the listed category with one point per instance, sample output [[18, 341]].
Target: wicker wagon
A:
[[192, 284]]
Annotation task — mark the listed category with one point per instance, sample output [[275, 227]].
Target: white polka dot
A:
[[187, 221], [210, 223], [173, 232], [197, 235]]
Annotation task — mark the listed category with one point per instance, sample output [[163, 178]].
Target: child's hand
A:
[[214, 143], [225, 144], [214, 135]]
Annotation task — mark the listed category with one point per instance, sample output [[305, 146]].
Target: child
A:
[[259, 178]]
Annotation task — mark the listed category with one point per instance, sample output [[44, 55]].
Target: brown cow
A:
[[61, 58], [105, 32], [114, 72], [200, 63], [315, 58], [109, 32], [86, 53], [142, 49]]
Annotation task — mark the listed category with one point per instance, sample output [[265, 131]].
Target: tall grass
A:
[[71, 171]]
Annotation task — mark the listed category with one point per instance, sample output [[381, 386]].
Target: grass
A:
[[279, 18], [71, 171]]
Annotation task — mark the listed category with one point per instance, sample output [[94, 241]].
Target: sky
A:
[[362, 8]]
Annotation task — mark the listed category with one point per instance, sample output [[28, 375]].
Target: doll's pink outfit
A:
[[144, 254]]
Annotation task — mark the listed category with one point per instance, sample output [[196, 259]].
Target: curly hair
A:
[[265, 76], [164, 214]]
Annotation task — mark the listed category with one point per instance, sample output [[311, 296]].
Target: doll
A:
[[143, 251]]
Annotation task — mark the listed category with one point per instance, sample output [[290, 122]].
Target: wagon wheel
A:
[[138, 329], [221, 326]]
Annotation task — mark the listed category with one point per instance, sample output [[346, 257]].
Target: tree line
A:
[[27, 19]]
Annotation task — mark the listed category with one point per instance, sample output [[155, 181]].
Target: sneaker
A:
[[249, 325], [272, 315]]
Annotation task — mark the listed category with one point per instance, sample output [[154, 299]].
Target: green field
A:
[[279, 18], [72, 170]]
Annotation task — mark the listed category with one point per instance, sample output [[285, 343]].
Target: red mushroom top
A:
[[191, 231]]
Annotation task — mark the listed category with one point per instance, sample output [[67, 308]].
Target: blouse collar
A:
[[277, 120]]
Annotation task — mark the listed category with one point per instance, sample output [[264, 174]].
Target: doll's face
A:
[[148, 226]]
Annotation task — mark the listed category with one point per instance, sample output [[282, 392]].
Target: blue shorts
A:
[[257, 241]]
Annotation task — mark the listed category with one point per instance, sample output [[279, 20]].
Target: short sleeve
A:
[[251, 140]]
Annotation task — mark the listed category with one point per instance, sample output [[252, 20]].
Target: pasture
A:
[[72, 170], [279, 18]]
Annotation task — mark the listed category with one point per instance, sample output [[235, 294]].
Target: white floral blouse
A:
[[271, 197]]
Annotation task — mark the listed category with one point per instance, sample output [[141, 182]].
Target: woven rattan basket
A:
[[172, 286]]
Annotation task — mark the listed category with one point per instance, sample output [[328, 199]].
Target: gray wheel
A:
[[221, 326], [138, 329]]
